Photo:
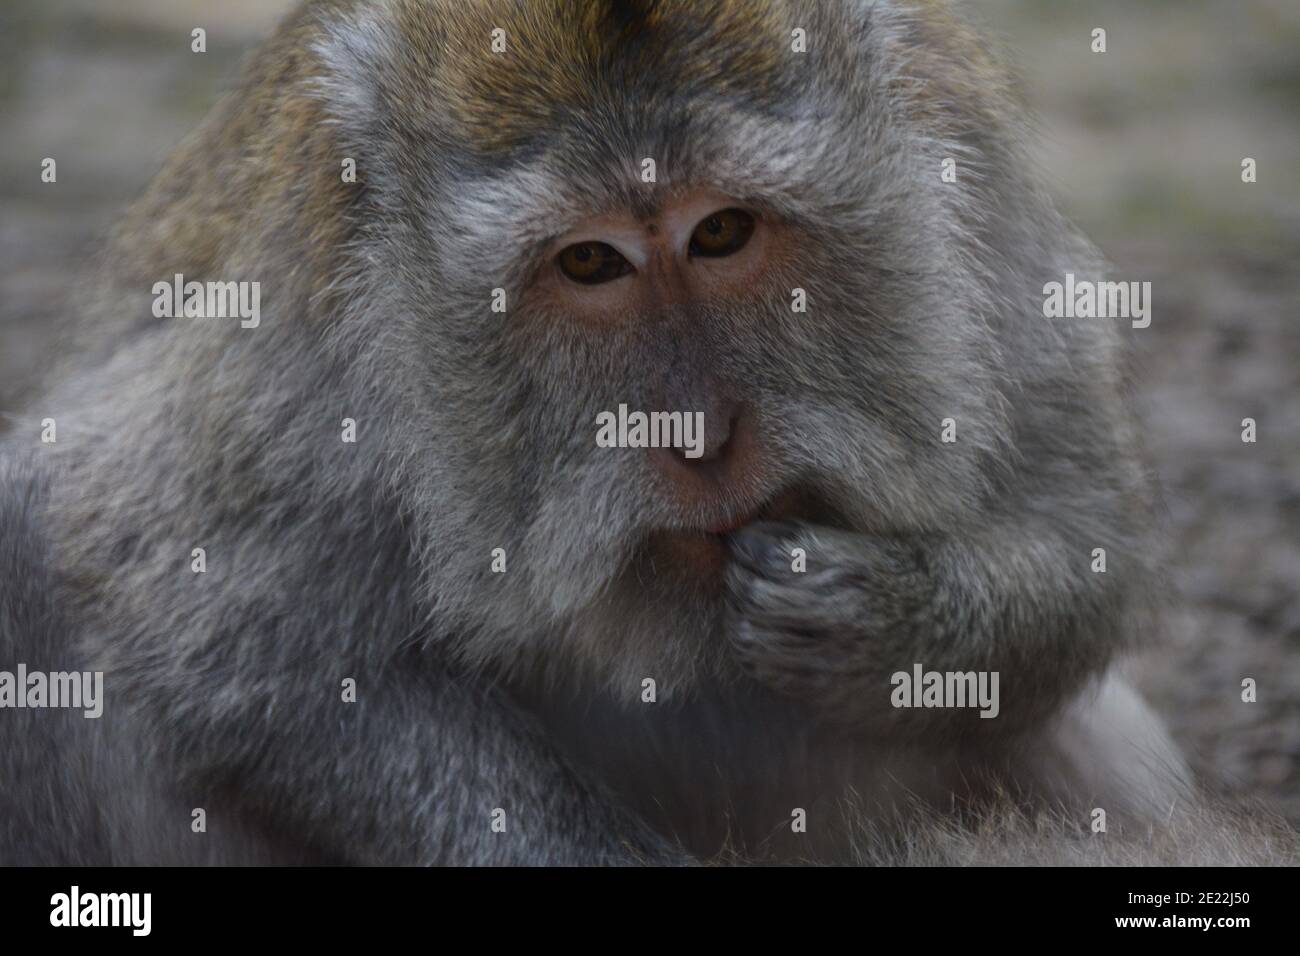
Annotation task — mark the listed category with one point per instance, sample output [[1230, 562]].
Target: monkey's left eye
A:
[[593, 262], [722, 233]]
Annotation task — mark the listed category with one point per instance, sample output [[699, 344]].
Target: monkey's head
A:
[[735, 208]]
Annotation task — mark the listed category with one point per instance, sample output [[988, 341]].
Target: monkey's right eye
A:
[[593, 262]]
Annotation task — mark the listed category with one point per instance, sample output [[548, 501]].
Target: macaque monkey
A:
[[467, 632]]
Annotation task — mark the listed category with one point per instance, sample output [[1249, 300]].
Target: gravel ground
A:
[[1143, 146]]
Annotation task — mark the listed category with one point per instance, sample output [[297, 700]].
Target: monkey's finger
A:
[[764, 547]]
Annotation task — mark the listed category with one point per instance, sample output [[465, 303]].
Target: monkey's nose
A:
[[719, 428], [724, 456]]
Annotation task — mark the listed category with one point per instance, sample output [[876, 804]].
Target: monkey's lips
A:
[[789, 504], [702, 553], [733, 523]]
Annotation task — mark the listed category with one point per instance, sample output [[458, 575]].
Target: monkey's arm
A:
[[1017, 596], [413, 771], [408, 774]]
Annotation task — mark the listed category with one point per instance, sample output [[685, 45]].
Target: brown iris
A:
[[722, 233], [593, 262]]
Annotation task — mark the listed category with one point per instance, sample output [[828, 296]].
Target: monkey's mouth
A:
[[700, 554], [793, 503], [735, 522]]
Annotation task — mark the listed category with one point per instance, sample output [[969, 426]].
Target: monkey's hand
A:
[[823, 615], [1012, 597]]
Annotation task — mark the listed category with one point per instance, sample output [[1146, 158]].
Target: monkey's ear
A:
[[356, 53]]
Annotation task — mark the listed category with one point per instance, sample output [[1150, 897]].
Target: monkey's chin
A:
[[695, 560]]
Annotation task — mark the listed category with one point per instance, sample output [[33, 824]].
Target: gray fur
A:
[[521, 691]]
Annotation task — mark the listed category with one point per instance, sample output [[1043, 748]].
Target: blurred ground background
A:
[[1143, 146]]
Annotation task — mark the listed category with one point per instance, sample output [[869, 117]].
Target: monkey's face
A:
[[668, 275], [784, 260]]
